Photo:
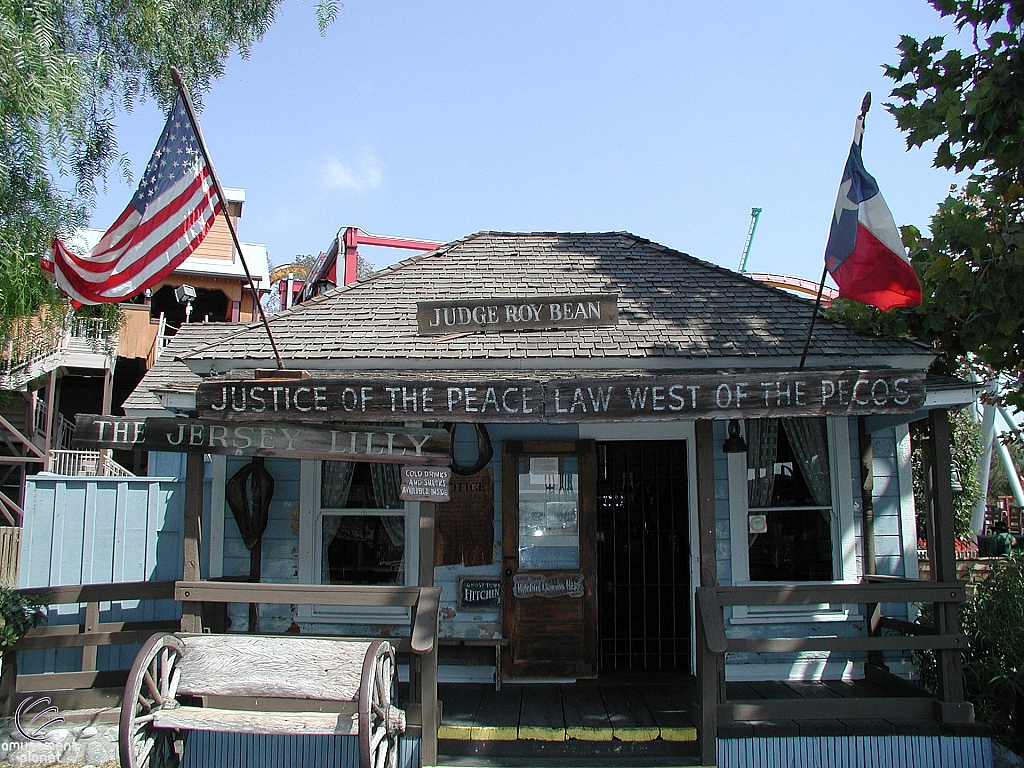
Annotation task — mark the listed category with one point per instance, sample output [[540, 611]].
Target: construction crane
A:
[[755, 214]]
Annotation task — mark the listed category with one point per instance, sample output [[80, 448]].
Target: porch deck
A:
[[637, 718]]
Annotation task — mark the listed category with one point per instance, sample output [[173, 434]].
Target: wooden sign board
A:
[[354, 400], [436, 318], [335, 442], [425, 484], [539, 585], [464, 526], [478, 593], [751, 394]]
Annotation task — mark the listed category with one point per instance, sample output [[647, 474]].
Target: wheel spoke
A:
[[165, 669], [379, 734], [153, 689]]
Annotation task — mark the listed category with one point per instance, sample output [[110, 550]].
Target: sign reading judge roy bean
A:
[[637, 398], [442, 317]]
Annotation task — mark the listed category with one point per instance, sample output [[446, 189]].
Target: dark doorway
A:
[[643, 568], [208, 305]]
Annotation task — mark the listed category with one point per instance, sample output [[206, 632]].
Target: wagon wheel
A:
[[380, 721], [152, 685]]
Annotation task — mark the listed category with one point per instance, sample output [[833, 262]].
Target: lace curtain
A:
[[809, 442], [335, 484], [762, 448]]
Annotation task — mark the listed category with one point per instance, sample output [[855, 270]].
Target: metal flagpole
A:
[[183, 90], [865, 105]]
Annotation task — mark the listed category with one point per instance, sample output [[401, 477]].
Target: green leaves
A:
[[67, 69], [972, 106], [18, 614]]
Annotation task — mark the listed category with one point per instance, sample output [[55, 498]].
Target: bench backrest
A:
[[279, 667]]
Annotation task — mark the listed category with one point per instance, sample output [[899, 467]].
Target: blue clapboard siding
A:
[[856, 752], [94, 531], [206, 749]]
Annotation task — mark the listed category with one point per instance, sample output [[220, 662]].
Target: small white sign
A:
[[425, 484], [757, 524]]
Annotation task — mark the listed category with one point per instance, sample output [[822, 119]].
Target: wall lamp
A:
[[734, 443]]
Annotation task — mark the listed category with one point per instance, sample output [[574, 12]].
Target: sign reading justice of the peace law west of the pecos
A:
[[434, 318], [637, 398], [335, 442]]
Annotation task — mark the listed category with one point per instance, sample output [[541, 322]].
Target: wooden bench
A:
[[174, 672]]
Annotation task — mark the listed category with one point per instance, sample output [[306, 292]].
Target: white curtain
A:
[[386, 480], [335, 484], [809, 442], [762, 449]]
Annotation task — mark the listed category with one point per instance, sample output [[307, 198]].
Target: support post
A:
[[428, 671], [710, 667], [952, 707], [191, 612], [51, 403]]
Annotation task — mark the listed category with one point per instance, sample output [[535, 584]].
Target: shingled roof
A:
[[169, 372], [674, 311]]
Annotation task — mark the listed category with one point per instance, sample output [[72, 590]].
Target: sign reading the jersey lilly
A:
[[434, 318], [750, 394], [335, 442]]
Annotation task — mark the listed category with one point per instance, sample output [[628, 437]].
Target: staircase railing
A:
[[86, 464]]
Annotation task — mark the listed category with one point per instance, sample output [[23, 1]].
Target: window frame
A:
[[844, 556], [311, 550]]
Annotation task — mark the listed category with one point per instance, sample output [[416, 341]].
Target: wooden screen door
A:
[[549, 594]]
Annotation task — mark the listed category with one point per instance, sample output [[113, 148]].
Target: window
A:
[[360, 524], [549, 531], [792, 512], [790, 503]]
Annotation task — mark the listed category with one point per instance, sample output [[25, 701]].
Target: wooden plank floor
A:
[[584, 711]]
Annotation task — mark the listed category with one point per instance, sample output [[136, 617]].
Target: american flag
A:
[[172, 210]]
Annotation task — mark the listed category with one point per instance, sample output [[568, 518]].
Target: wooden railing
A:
[[40, 347], [78, 688], [10, 550], [86, 464], [714, 642], [421, 643]]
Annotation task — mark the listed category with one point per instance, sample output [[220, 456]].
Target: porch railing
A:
[[713, 643], [79, 688], [41, 347], [86, 464]]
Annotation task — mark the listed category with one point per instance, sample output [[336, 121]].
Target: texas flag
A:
[[865, 255]]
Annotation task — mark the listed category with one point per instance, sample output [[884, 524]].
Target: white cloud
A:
[[364, 175]]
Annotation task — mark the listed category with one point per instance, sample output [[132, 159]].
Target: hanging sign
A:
[[539, 585], [750, 394], [425, 483], [478, 593], [334, 442], [434, 318]]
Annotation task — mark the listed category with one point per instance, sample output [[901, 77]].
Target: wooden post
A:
[[710, 668], [952, 707], [8, 683], [428, 670], [191, 613], [51, 395]]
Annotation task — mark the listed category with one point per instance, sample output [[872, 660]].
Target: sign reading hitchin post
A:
[[477, 592], [336, 442], [425, 483], [434, 318], [750, 394]]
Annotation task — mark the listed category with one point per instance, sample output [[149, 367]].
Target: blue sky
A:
[[667, 119]]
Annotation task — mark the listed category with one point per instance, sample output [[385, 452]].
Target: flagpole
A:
[[865, 105], [183, 90]]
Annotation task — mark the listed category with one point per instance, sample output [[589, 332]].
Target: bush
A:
[[993, 621], [18, 614]]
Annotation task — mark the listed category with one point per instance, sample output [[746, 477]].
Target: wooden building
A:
[[648, 491]]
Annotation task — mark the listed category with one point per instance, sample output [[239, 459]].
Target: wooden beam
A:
[[84, 593], [947, 617], [888, 643], [191, 612], [812, 594], [710, 667]]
